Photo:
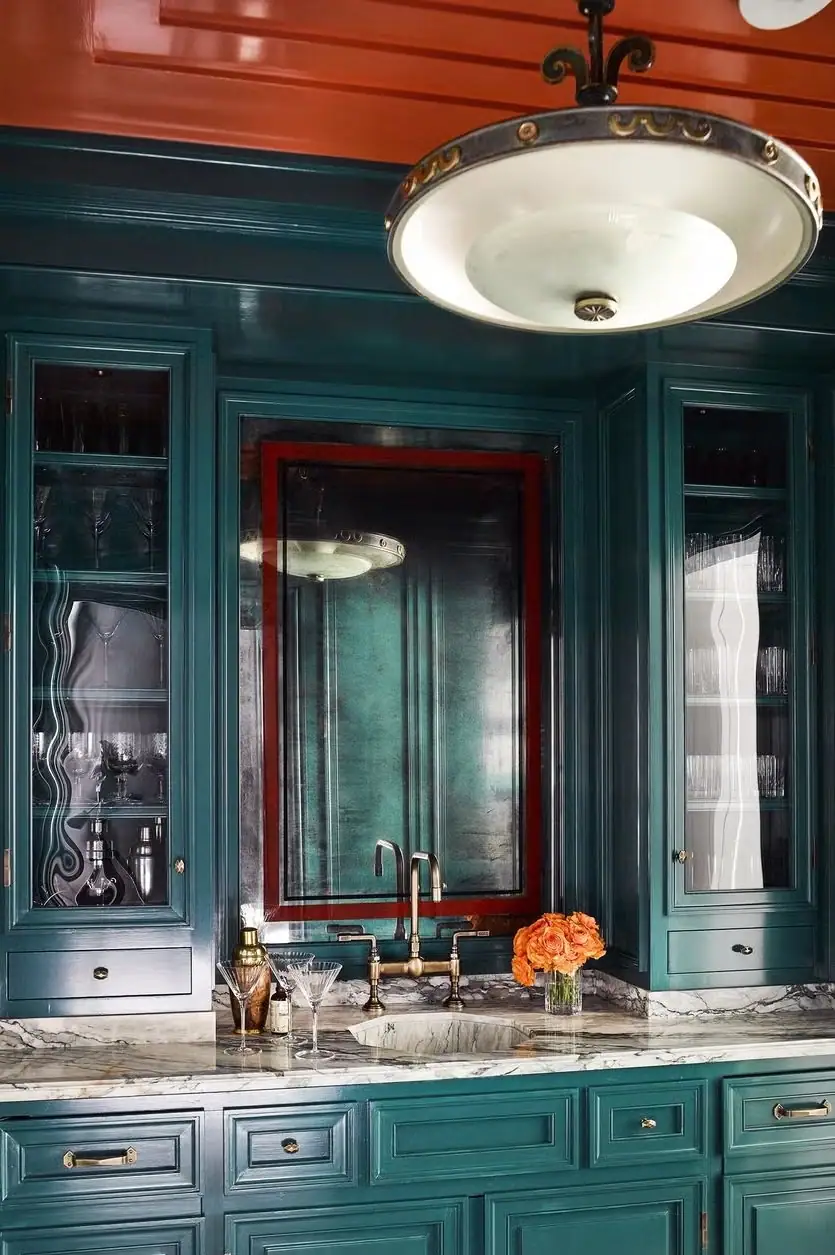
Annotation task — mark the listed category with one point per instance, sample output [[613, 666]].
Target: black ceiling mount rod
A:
[[597, 78]]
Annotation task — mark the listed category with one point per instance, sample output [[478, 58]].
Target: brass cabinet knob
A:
[[647, 1122], [179, 866], [100, 973], [740, 949], [681, 856], [290, 1146]]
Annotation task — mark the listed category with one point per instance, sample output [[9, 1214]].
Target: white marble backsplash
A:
[[695, 1003], [76, 1031]]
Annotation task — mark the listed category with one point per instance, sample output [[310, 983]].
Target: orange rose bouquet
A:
[[557, 945]]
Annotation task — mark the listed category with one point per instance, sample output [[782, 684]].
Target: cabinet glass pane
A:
[[99, 639], [94, 410], [738, 664]]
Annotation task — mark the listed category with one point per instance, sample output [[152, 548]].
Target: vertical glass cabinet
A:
[[109, 789], [739, 665]]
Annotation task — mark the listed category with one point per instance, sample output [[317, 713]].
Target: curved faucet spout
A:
[[421, 856], [400, 875]]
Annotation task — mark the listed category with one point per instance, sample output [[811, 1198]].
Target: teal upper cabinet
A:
[[108, 577], [711, 579]]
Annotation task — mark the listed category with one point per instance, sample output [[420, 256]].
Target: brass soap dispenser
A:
[[248, 952]]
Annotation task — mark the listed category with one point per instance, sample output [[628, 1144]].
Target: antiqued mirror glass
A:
[[392, 677]]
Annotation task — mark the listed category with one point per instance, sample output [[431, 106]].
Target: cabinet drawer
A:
[[726, 950], [127, 1238], [78, 1158], [127, 973], [642, 1123], [758, 1113], [291, 1146], [439, 1139]]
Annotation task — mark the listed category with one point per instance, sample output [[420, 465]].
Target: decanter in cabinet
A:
[[111, 763]]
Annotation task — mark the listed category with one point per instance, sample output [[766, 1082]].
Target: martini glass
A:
[[313, 982], [242, 979], [281, 965]]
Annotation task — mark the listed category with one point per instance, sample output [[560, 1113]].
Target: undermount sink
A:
[[441, 1033]]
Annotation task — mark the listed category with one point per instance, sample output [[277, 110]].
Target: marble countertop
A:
[[601, 1038]]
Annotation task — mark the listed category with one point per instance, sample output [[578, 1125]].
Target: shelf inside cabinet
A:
[[703, 805], [101, 461], [101, 579], [158, 811], [731, 492], [715, 699], [104, 697]]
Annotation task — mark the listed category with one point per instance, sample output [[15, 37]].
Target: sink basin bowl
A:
[[442, 1033]]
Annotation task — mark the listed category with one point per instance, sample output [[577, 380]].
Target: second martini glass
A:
[[313, 983], [281, 965]]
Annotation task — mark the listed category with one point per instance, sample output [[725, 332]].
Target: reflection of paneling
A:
[[383, 79], [396, 702]]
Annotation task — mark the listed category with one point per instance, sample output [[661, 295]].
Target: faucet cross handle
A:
[[347, 933]]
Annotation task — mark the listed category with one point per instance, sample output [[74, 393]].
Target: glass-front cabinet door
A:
[[99, 575], [741, 664]]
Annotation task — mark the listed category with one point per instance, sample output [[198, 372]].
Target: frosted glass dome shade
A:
[[341, 557], [666, 216]]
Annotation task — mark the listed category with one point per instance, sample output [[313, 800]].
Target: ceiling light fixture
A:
[[340, 556], [603, 217], [777, 15]]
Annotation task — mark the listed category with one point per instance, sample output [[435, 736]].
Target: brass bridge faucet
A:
[[415, 966]]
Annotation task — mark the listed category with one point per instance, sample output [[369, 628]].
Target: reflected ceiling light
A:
[[342, 556], [776, 15], [603, 217]]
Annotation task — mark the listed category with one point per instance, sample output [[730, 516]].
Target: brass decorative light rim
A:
[[608, 124]]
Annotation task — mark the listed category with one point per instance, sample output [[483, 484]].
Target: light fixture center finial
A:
[[597, 78], [595, 307]]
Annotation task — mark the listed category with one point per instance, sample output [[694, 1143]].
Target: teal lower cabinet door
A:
[[129, 1238], [626, 1219], [405, 1228], [776, 1213]]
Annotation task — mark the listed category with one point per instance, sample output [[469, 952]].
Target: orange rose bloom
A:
[[522, 971], [555, 943]]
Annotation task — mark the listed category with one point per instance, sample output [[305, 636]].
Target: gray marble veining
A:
[[599, 1039]]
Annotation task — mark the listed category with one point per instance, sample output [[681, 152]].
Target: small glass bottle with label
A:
[[280, 1022]]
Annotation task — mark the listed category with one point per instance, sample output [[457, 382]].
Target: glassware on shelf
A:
[[81, 761], [772, 671], [99, 519], [154, 756], [771, 564], [106, 623], [159, 630], [40, 773], [281, 965], [40, 520], [730, 778], [119, 757], [146, 504], [242, 979], [104, 886], [313, 981]]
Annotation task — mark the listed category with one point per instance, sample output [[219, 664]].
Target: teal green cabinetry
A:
[[129, 1238], [778, 1212], [710, 675], [638, 1220], [399, 1228], [108, 597]]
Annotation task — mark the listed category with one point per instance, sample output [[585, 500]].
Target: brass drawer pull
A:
[[122, 1159], [740, 949], [648, 1123], [803, 1113], [290, 1146], [100, 973]]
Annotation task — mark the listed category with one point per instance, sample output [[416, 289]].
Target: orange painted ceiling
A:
[[387, 80]]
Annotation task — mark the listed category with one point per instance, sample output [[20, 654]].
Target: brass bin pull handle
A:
[[803, 1113], [290, 1146], [647, 1123], [120, 1159]]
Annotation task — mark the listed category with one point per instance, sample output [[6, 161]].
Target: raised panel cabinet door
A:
[[630, 1219], [776, 1212], [404, 1228], [131, 1238]]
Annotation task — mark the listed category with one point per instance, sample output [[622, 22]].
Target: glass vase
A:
[[564, 992]]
